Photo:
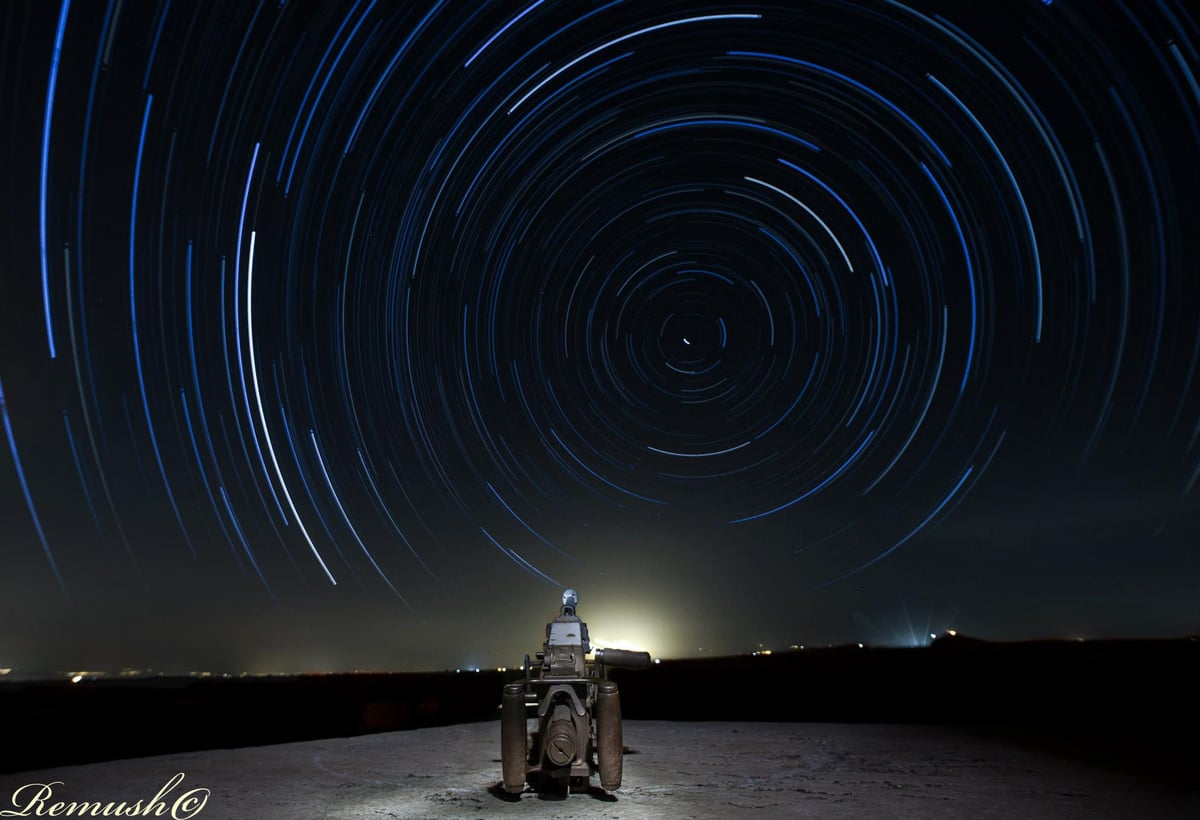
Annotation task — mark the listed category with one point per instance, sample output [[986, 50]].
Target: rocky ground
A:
[[673, 770]]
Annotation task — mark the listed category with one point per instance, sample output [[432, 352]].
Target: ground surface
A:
[[673, 770]]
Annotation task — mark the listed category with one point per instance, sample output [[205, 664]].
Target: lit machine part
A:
[[570, 599], [548, 737]]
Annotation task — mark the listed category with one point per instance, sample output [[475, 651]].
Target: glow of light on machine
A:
[[627, 644]]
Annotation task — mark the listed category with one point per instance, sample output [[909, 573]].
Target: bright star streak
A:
[[517, 559], [237, 326], [37, 522], [345, 517], [262, 416], [137, 351], [503, 29], [625, 37], [58, 39], [699, 455], [811, 213], [815, 489]]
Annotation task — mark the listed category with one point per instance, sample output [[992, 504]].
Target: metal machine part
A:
[[548, 737]]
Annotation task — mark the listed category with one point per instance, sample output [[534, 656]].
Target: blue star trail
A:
[[336, 313]]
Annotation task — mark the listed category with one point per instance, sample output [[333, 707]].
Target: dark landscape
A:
[[843, 354], [1120, 705]]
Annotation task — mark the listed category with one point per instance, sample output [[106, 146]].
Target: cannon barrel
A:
[[623, 658]]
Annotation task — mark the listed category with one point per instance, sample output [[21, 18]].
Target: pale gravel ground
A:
[[675, 770]]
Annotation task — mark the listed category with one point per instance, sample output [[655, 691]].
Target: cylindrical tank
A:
[[560, 742], [608, 735], [624, 658], [513, 751]]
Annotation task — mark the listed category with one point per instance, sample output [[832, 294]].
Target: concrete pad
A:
[[674, 770]]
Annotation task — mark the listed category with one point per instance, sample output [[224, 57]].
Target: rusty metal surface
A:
[[609, 740], [573, 712], [513, 738]]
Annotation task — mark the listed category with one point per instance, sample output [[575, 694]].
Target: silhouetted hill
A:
[[1104, 694]]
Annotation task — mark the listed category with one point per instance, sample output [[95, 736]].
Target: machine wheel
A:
[[514, 753], [609, 740]]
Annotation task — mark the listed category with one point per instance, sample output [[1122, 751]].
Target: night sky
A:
[[342, 335]]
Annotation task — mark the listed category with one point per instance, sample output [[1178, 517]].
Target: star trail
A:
[[340, 335]]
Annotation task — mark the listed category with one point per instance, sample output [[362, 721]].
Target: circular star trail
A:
[[416, 298]]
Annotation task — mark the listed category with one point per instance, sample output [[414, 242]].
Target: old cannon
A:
[[561, 723]]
